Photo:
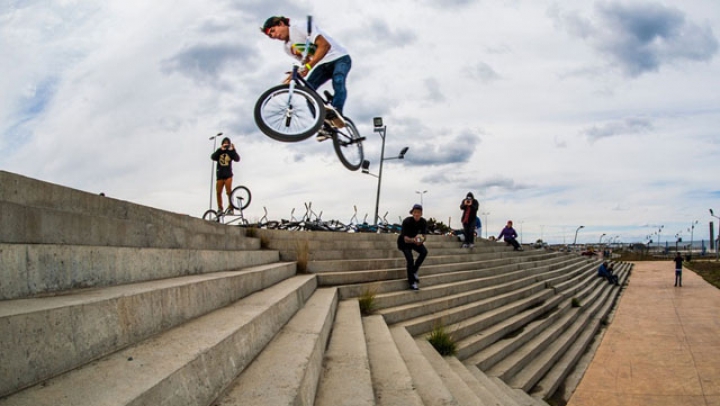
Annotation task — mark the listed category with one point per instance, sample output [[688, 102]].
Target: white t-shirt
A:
[[298, 35]]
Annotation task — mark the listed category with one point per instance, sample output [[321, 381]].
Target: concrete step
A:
[[443, 285], [346, 379], [287, 371], [57, 215], [521, 398], [188, 364], [390, 376], [552, 350], [351, 283], [429, 384], [553, 378], [39, 269], [487, 346], [520, 350], [41, 338], [455, 384], [399, 261], [388, 251], [457, 307], [497, 393], [484, 394]]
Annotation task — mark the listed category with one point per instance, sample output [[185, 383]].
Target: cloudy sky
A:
[[554, 114]]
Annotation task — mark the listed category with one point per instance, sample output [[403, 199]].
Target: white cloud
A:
[[496, 98]]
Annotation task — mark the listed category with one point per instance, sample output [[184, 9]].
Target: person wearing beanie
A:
[[224, 156], [412, 238], [469, 206]]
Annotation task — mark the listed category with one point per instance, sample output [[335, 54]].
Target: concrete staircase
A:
[[105, 302]]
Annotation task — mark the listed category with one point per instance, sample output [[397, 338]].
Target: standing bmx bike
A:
[[294, 112], [240, 198]]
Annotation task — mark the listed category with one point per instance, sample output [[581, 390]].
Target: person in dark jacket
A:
[[412, 238], [510, 236], [469, 206], [224, 156], [678, 269]]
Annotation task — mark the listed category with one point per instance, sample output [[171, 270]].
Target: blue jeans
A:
[[413, 266], [336, 70]]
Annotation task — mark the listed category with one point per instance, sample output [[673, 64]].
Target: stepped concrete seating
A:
[[107, 302], [495, 302]]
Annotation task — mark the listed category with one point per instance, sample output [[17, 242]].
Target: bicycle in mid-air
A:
[[294, 111]]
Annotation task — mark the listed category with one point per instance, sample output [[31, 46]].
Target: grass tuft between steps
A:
[[442, 341]]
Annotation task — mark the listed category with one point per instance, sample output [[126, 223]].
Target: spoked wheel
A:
[[289, 117], [240, 198], [348, 146], [211, 215]]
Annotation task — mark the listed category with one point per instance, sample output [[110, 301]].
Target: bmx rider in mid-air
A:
[[326, 59]]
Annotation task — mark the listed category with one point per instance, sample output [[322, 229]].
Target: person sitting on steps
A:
[[326, 59], [510, 236], [412, 238]]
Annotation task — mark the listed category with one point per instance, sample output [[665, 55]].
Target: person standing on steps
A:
[[469, 206], [678, 269], [326, 59], [223, 172], [510, 236], [412, 238]]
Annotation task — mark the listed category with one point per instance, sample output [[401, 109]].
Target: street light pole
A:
[[381, 130], [692, 233], [717, 249], [212, 166], [603, 235], [485, 213], [576, 233], [421, 196]]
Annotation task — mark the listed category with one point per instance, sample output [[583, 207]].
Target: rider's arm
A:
[[323, 46]]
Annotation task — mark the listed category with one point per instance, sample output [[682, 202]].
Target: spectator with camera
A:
[[469, 206], [412, 238], [224, 156]]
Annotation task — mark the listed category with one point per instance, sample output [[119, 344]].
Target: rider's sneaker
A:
[[324, 134], [335, 118], [230, 211]]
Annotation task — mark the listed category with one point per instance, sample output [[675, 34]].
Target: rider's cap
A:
[[416, 207], [272, 22]]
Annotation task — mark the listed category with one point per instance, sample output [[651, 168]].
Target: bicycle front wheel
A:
[[348, 146], [289, 117], [211, 215], [240, 198]]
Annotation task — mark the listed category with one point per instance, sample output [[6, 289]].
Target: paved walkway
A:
[[662, 347]]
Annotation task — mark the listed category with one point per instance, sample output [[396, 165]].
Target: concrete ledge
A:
[[287, 371], [41, 338], [191, 363], [457, 387], [430, 386], [346, 376], [390, 376], [35, 269]]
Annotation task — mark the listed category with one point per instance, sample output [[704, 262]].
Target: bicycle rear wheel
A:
[[348, 146], [240, 198], [288, 117]]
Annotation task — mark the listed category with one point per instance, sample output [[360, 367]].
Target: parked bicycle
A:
[[239, 200], [295, 111]]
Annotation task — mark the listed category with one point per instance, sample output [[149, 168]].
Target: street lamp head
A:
[[365, 166], [377, 122], [403, 152]]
